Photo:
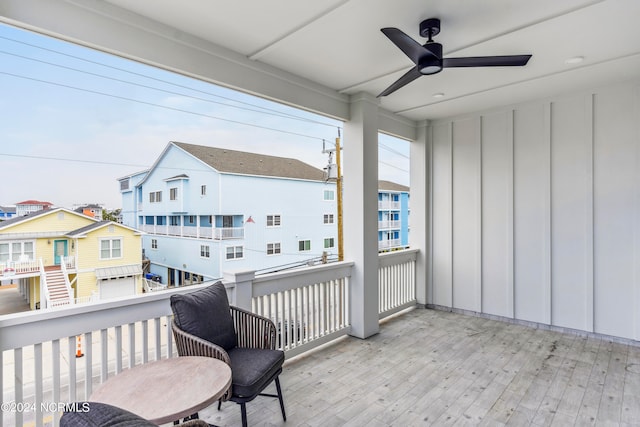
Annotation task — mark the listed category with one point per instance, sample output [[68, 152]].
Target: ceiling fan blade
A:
[[486, 61], [408, 77], [414, 50]]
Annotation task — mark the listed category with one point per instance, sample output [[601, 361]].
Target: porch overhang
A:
[[119, 271]]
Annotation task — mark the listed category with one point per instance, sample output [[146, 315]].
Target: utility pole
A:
[[338, 193]]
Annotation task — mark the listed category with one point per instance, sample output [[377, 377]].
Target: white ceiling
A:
[[337, 44]]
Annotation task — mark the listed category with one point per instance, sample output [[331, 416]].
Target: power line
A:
[[279, 113], [260, 111], [386, 147], [160, 106], [393, 166]]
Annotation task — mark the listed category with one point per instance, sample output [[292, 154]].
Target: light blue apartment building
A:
[[393, 216], [206, 211]]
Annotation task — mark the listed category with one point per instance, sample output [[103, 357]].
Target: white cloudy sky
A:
[[72, 121]]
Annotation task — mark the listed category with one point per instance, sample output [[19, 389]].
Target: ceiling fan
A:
[[429, 60]]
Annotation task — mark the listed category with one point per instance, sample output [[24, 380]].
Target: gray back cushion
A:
[[94, 414], [205, 314]]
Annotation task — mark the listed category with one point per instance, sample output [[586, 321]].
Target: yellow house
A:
[[60, 257]]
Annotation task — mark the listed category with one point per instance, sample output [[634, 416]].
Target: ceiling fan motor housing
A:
[[431, 64]]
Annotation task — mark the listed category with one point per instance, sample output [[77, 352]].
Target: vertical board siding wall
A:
[[536, 212]]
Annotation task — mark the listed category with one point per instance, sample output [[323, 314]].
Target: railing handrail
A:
[[65, 275], [34, 327], [270, 283], [397, 257], [43, 286]]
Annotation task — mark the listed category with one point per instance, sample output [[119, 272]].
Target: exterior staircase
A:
[[57, 288]]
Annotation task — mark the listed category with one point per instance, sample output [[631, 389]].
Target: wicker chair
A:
[[205, 325]]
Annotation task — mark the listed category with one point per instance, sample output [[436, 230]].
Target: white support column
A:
[[361, 212], [420, 235]]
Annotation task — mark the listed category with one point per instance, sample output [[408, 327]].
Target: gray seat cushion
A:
[[253, 369], [94, 414], [205, 313]]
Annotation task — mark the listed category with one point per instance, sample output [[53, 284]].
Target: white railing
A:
[[396, 281], [221, 233], [12, 268], [69, 262], [228, 233], [206, 232], [388, 204], [65, 262], [391, 243], [151, 286], [174, 230], [44, 289], [58, 356], [190, 231], [389, 224], [94, 297], [308, 306]]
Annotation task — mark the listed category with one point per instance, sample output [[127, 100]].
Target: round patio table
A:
[[167, 390]]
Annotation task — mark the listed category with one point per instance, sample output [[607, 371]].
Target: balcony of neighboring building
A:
[[215, 227]]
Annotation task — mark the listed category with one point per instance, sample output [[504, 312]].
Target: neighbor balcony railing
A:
[[30, 266], [217, 233], [12, 268], [54, 356]]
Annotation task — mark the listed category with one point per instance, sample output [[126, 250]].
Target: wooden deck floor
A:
[[430, 367]]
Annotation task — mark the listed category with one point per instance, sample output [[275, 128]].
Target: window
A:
[[204, 251], [154, 243], [17, 251], [235, 252], [329, 242], [328, 218], [110, 248], [329, 195], [203, 190], [124, 184], [273, 248], [27, 249], [155, 197], [4, 252], [174, 220], [173, 193], [273, 220], [304, 245]]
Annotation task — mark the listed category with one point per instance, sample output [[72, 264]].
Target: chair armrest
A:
[[191, 345], [253, 331]]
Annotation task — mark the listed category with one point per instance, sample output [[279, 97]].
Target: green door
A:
[[59, 250]]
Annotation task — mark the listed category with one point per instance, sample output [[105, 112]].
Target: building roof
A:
[[34, 202], [8, 209], [81, 232], [244, 163], [392, 186], [32, 215]]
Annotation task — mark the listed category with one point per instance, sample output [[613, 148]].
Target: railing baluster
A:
[[145, 341], [18, 383], [118, 331], [88, 364], [38, 395], [132, 345], [71, 344], [104, 355], [158, 346]]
